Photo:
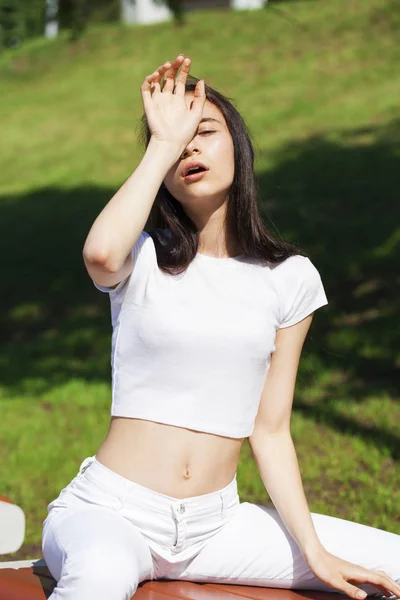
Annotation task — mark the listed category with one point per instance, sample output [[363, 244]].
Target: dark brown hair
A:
[[175, 253]]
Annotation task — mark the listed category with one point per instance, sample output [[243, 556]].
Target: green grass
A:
[[318, 83]]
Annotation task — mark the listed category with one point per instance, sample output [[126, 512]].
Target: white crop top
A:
[[193, 350]]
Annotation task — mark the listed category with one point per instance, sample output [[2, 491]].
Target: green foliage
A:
[[176, 7], [24, 19], [20, 20], [75, 15]]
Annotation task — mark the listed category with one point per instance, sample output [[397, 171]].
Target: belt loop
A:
[[85, 464], [222, 503]]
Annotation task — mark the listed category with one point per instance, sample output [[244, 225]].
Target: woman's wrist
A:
[[313, 552], [167, 152]]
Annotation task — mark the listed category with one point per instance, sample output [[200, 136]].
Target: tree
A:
[[19, 20], [176, 7]]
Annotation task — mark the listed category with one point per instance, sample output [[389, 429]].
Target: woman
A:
[[203, 308]]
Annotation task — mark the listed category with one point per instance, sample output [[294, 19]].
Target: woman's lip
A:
[[195, 176]]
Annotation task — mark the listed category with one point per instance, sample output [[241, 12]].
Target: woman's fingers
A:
[[152, 81], [145, 90], [351, 590], [155, 84], [199, 99], [169, 77], [168, 70], [382, 581], [385, 583], [148, 82], [182, 77], [379, 579]]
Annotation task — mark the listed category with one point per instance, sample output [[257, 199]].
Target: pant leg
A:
[[93, 552], [255, 548]]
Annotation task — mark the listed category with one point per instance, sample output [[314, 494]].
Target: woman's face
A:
[[212, 145]]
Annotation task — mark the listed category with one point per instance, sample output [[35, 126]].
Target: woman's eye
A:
[[206, 131]]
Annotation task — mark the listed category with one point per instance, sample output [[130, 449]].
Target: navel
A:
[[187, 474]]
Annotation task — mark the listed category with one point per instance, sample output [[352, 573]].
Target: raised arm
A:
[[107, 249]]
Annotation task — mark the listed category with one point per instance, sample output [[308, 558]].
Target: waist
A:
[[142, 496], [170, 460]]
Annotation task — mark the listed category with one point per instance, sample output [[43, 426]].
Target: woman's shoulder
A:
[[296, 263], [299, 287], [296, 270]]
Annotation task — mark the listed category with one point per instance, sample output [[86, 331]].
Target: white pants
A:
[[105, 534]]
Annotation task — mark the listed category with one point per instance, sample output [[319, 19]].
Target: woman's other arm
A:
[[271, 441], [275, 455]]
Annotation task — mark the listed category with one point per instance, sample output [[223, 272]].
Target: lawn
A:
[[319, 85]]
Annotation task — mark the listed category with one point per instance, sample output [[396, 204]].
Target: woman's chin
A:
[[201, 191]]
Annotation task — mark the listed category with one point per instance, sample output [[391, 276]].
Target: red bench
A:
[[36, 583]]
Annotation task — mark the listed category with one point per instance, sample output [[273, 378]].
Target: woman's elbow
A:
[[262, 434]]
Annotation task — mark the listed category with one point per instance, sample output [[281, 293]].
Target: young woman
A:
[[209, 312]]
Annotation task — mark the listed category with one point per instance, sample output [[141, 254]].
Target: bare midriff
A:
[[178, 462]]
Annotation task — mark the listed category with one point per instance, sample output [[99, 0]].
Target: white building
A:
[[154, 11]]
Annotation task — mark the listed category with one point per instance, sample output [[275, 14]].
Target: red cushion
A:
[[4, 499]]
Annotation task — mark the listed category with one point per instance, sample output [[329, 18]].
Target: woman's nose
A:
[[190, 149]]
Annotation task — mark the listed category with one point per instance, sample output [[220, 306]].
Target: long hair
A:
[[176, 251]]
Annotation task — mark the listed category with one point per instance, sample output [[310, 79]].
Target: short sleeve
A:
[[300, 289], [118, 292]]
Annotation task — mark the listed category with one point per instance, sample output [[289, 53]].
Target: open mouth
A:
[[195, 173], [196, 170]]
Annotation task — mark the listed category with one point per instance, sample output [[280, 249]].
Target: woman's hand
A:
[[169, 118], [338, 573]]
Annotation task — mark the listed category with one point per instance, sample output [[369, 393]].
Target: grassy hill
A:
[[319, 85]]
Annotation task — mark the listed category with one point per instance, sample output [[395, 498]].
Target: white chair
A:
[[12, 526]]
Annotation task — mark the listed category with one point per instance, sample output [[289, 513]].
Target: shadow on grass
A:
[[55, 324], [335, 194]]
